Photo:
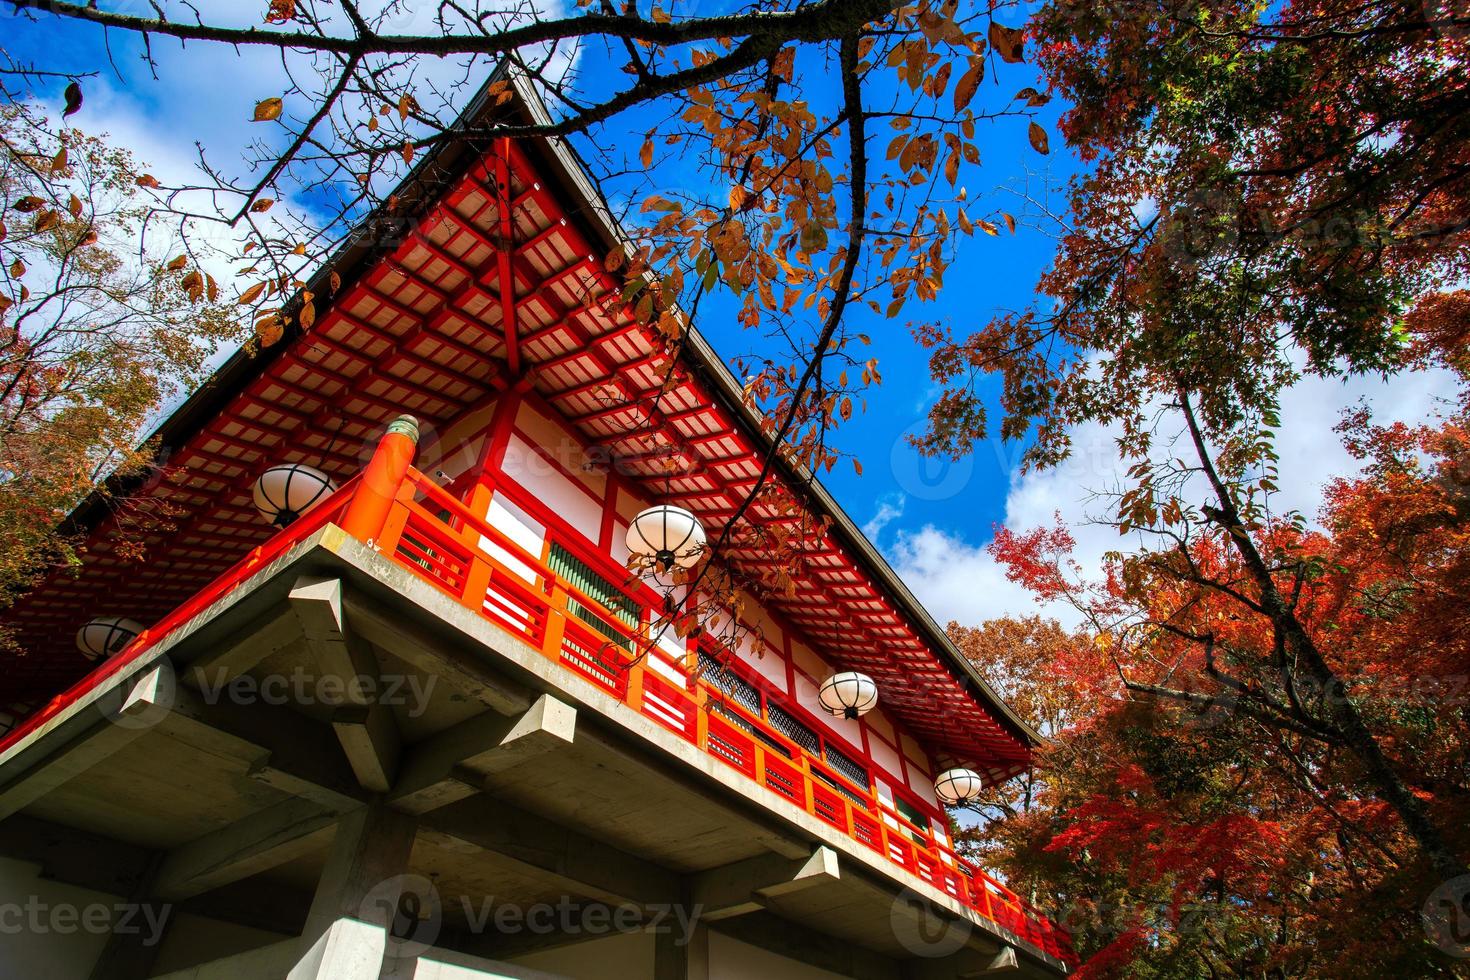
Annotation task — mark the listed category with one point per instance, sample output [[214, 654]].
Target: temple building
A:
[[383, 698]]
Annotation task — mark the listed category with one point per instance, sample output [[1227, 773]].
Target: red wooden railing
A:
[[412, 520]]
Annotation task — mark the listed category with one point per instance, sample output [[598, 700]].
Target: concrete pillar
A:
[[346, 935], [680, 957]]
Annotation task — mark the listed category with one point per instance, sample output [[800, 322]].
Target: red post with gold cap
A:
[[385, 473]]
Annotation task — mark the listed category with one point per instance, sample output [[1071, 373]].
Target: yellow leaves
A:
[[307, 318], [148, 180], [1039, 141], [969, 83], [252, 294], [268, 110], [177, 263], [269, 329], [813, 237], [262, 206], [1009, 43], [193, 286]]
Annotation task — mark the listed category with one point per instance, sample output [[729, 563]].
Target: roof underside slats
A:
[[422, 331]]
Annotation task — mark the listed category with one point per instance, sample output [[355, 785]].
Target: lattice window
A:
[[788, 725], [846, 765], [724, 679], [577, 573]]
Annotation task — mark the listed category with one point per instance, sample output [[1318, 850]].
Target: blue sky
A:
[[932, 519]]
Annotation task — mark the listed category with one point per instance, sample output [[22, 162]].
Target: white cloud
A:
[[958, 579], [890, 509]]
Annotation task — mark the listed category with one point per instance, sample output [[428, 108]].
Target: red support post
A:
[[385, 473]]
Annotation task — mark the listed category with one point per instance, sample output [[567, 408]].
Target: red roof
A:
[[418, 327]]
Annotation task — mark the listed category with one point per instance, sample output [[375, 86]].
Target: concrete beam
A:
[[281, 631], [367, 730], [369, 738], [356, 901], [578, 864], [277, 746], [457, 666], [264, 840], [749, 886], [452, 765], [142, 703]]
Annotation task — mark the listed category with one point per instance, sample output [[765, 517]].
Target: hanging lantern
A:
[[104, 636], [848, 694], [666, 537], [958, 786], [284, 493]]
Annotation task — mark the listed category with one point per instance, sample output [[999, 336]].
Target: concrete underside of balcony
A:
[[202, 778]]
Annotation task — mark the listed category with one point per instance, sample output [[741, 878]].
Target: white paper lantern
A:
[[848, 694], [283, 493], [104, 636], [958, 786], [666, 537]]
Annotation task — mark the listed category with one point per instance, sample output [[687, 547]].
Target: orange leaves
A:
[[252, 294], [28, 204], [969, 84], [262, 206], [47, 220], [148, 182], [268, 110], [1008, 42], [307, 317], [1039, 140]]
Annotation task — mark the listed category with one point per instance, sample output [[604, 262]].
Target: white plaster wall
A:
[[731, 959], [62, 948], [567, 499]]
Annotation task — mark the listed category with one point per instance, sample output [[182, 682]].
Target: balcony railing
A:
[[434, 534]]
